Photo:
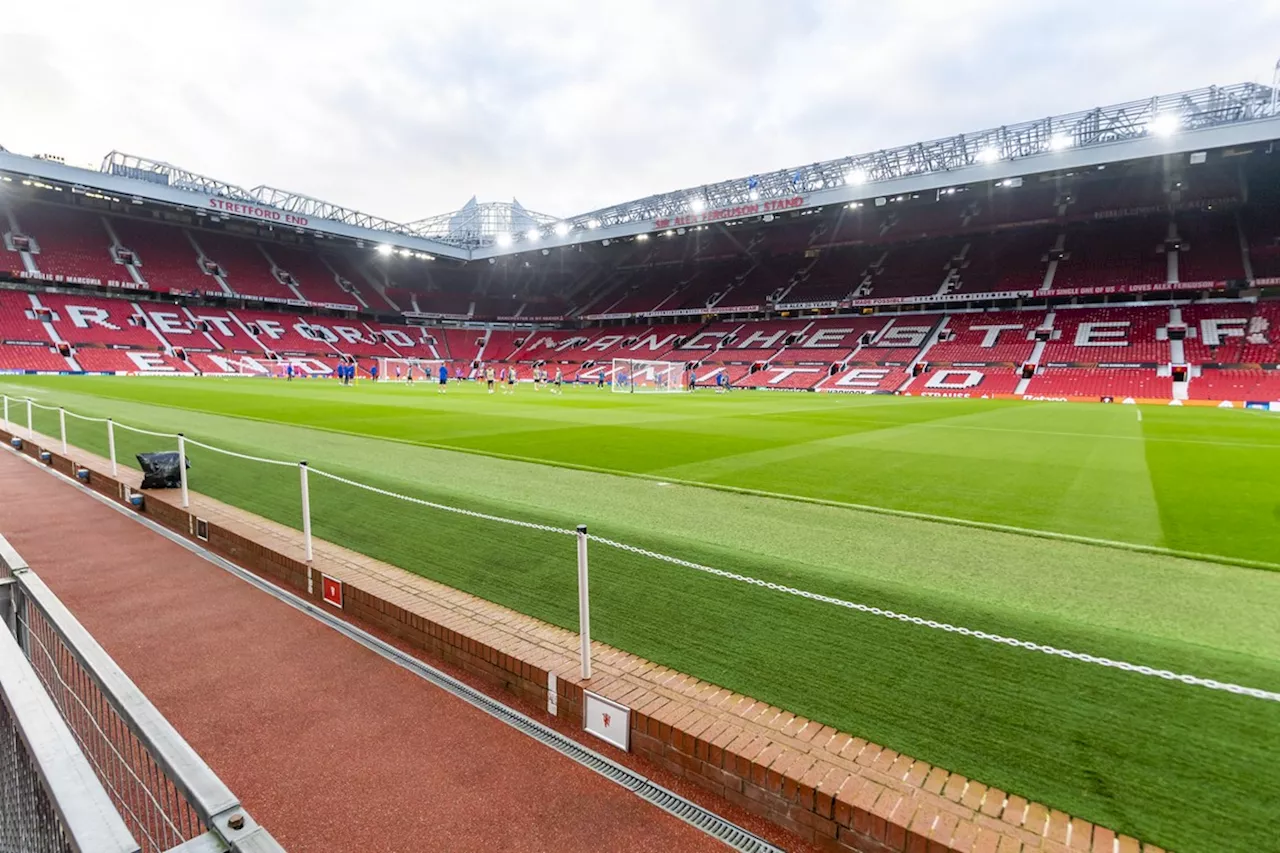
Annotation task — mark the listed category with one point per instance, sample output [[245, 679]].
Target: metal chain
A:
[[245, 456], [146, 431], [72, 414], [1125, 666], [546, 528]]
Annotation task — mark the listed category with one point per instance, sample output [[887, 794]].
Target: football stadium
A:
[[1002, 572]]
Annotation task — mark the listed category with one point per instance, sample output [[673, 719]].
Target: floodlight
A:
[[533, 235], [503, 240], [1166, 124], [856, 177], [562, 229], [404, 253], [642, 237], [1061, 142], [754, 195], [988, 156], [593, 224], [698, 204], [385, 249]]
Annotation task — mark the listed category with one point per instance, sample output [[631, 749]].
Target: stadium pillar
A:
[[111, 444], [182, 469], [306, 510], [31, 433], [6, 411], [584, 604], [62, 426]]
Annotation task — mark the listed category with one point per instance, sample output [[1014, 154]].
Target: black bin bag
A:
[[160, 470]]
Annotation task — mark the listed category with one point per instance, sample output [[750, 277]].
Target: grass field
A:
[[1146, 534]]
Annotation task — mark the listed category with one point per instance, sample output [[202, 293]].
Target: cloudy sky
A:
[[408, 109]]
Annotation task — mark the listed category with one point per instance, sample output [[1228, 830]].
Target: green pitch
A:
[[1148, 535]]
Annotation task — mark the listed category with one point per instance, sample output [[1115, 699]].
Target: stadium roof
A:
[[1182, 123]]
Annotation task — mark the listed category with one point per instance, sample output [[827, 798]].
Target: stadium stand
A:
[[248, 272], [1209, 248], [83, 319], [1098, 383], [1195, 237], [1104, 254], [1005, 261], [169, 260], [281, 333], [74, 244], [316, 281], [1092, 336], [1235, 384], [999, 337], [829, 340]]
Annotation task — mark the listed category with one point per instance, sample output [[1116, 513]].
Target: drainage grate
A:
[[695, 815]]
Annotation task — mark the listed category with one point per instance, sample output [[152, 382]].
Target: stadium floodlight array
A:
[[509, 226], [633, 376], [407, 369]]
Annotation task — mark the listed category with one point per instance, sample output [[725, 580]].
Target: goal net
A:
[[260, 367], [633, 376], [408, 369]]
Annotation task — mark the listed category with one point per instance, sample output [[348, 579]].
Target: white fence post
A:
[[182, 469], [31, 433], [111, 444], [584, 603], [306, 510], [62, 425]]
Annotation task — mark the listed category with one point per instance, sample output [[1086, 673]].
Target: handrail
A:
[[88, 819], [207, 796]]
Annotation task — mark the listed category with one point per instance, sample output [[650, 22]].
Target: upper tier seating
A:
[[169, 261], [248, 272], [1210, 248], [315, 280], [73, 243], [1104, 254]]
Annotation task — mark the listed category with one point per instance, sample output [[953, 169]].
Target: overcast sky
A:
[[407, 109]]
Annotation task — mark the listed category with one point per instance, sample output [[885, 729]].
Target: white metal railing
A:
[[114, 774]]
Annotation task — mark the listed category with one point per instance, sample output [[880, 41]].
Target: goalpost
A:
[[636, 376], [408, 369], [255, 367]]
